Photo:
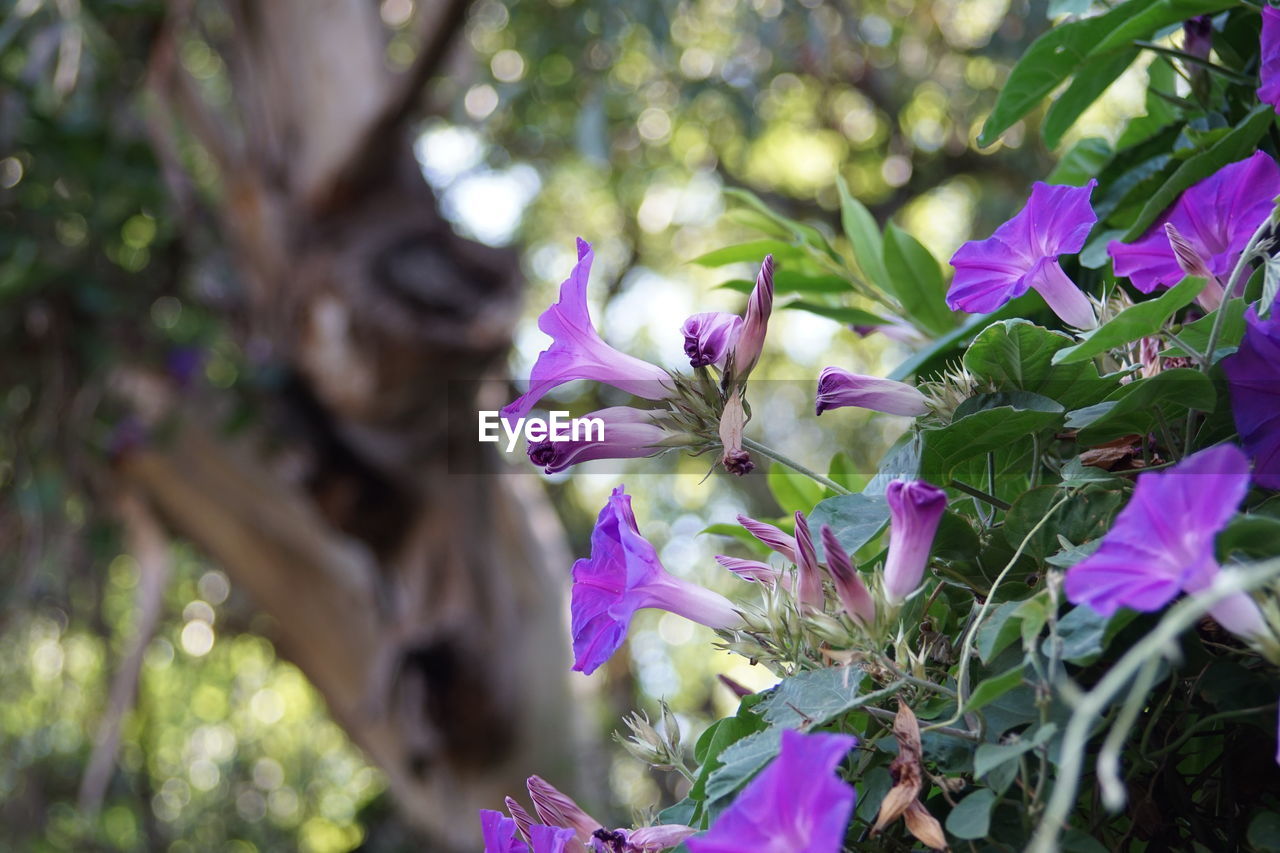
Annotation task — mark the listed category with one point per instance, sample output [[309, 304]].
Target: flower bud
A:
[[915, 510]]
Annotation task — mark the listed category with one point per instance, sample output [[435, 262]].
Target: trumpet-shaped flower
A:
[[1269, 73], [1162, 541], [915, 510], [809, 578], [1023, 253], [577, 352], [1253, 377], [628, 434], [709, 337], [852, 592], [748, 345], [624, 575], [501, 836], [752, 570], [795, 805], [774, 537], [1215, 218], [839, 388]]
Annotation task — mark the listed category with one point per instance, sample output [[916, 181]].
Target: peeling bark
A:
[[425, 605]]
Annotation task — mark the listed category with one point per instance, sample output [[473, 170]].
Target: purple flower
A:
[[772, 536], [1023, 253], [809, 578], [915, 510], [709, 337], [839, 388], [1215, 218], [746, 350], [795, 805], [558, 809], [624, 575], [1162, 541], [852, 592], [577, 352], [752, 570], [1253, 377], [1269, 73], [499, 833], [627, 433], [1197, 36]]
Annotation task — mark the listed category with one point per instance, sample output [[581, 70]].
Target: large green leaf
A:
[[1144, 406], [790, 281], [1154, 17], [983, 424], [1085, 515], [804, 233], [864, 236], [917, 280], [991, 755], [1196, 334], [855, 520], [1019, 354], [793, 492], [1085, 634], [1089, 83], [1133, 323], [752, 252], [971, 818], [1050, 60], [1083, 161], [1236, 145], [814, 697]]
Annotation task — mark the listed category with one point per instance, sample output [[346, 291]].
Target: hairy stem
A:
[[765, 450]]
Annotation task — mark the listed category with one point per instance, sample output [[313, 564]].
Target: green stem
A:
[[1195, 60], [1246, 257], [1091, 705], [765, 450], [1207, 722], [979, 494], [966, 649]]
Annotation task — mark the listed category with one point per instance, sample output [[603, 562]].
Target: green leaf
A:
[[1019, 354], [752, 252], [917, 281], [1137, 321], [843, 471], [971, 818], [998, 631], [718, 737], [839, 313], [855, 520], [1145, 405], [1155, 17], [985, 423], [1264, 832], [991, 755], [1086, 515], [1050, 60], [790, 281], [793, 492], [742, 760], [1089, 83], [805, 233], [814, 697], [736, 531], [1083, 161], [1236, 145], [1196, 334], [993, 688], [1085, 635], [864, 236], [1250, 536]]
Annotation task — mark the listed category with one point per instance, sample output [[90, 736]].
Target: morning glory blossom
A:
[[1162, 541], [577, 352], [915, 510], [774, 537], [839, 388], [1269, 73], [623, 575], [1215, 218], [708, 337], [501, 836], [1023, 253], [796, 805], [1253, 377], [628, 434]]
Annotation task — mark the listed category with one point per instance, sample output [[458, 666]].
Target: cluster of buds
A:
[[661, 750]]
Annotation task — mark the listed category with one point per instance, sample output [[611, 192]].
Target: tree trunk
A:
[[425, 604]]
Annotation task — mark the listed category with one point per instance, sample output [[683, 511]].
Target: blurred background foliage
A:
[[619, 122]]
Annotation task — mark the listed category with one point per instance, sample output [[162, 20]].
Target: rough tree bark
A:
[[422, 602]]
